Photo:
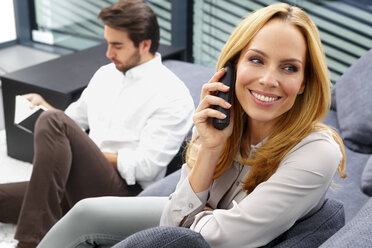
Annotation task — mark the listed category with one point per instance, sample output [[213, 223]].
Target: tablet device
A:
[[25, 115], [28, 124]]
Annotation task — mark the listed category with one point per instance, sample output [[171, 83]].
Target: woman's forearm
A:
[[201, 175]]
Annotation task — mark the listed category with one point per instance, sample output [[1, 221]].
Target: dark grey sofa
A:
[[351, 115], [310, 232]]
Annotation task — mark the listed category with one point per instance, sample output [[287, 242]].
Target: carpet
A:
[[11, 170]]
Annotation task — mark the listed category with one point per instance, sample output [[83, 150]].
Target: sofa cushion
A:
[[314, 230], [331, 120], [333, 99], [356, 233], [163, 187], [347, 190], [353, 99], [367, 178], [164, 237]]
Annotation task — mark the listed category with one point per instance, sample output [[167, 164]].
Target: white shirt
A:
[[143, 115], [295, 190]]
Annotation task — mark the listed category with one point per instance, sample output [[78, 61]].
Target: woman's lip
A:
[[264, 94], [268, 99]]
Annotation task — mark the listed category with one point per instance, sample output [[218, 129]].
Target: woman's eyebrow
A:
[[291, 60], [284, 60], [258, 51]]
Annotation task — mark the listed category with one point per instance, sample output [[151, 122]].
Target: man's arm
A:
[[112, 158], [159, 142], [38, 100]]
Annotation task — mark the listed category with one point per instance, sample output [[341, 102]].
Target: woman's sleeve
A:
[[296, 189], [184, 203]]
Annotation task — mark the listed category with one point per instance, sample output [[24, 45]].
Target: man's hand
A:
[[37, 100], [112, 158]]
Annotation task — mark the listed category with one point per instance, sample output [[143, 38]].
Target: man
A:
[[137, 112]]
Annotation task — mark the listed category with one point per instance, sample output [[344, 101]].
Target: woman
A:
[[246, 184], [273, 164]]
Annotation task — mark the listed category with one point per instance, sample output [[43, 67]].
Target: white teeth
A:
[[264, 98]]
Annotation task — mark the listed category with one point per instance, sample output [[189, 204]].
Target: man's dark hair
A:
[[136, 17]]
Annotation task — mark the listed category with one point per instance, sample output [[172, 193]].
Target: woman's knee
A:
[[75, 227], [84, 210]]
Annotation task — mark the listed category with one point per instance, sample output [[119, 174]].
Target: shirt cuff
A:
[[202, 195], [127, 169], [187, 201]]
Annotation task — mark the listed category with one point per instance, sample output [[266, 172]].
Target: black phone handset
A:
[[228, 79]]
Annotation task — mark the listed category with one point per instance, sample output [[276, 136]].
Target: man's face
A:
[[121, 49]]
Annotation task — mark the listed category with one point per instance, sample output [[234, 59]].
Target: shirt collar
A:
[[253, 149], [143, 69]]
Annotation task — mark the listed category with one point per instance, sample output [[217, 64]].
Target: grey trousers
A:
[[68, 167], [104, 221]]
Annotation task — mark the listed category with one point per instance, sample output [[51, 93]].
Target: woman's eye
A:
[[255, 60], [290, 68]]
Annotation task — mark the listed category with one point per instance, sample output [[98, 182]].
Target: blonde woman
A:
[[244, 185], [247, 184]]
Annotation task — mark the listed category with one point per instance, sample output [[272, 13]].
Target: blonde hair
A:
[[304, 117]]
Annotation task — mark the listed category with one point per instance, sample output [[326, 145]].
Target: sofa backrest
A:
[[194, 76], [353, 103]]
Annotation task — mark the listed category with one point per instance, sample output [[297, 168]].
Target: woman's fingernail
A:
[[227, 104]]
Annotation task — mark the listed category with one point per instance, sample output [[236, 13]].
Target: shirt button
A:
[[191, 205], [237, 183], [170, 197]]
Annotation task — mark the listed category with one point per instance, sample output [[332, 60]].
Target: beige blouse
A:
[[296, 189]]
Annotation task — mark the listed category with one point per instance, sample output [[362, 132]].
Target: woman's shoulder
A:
[[319, 136], [317, 149]]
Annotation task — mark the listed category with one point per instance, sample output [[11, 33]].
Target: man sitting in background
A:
[[137, 112]]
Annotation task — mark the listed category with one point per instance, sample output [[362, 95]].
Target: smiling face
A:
[[270, 73]]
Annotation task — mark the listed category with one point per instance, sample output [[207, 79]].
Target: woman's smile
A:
[[264, 99]]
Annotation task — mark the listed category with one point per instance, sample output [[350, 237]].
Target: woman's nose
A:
[[269, 78]]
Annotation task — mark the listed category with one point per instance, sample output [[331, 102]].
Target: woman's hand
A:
[[37, 100], [209, 136], [212, 140]]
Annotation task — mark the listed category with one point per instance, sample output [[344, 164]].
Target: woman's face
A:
[[270, 72]]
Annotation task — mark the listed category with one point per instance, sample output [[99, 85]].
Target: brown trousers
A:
[[68, 167]]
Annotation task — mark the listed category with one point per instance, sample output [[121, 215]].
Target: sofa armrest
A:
[[315, 229], [356, 233]]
